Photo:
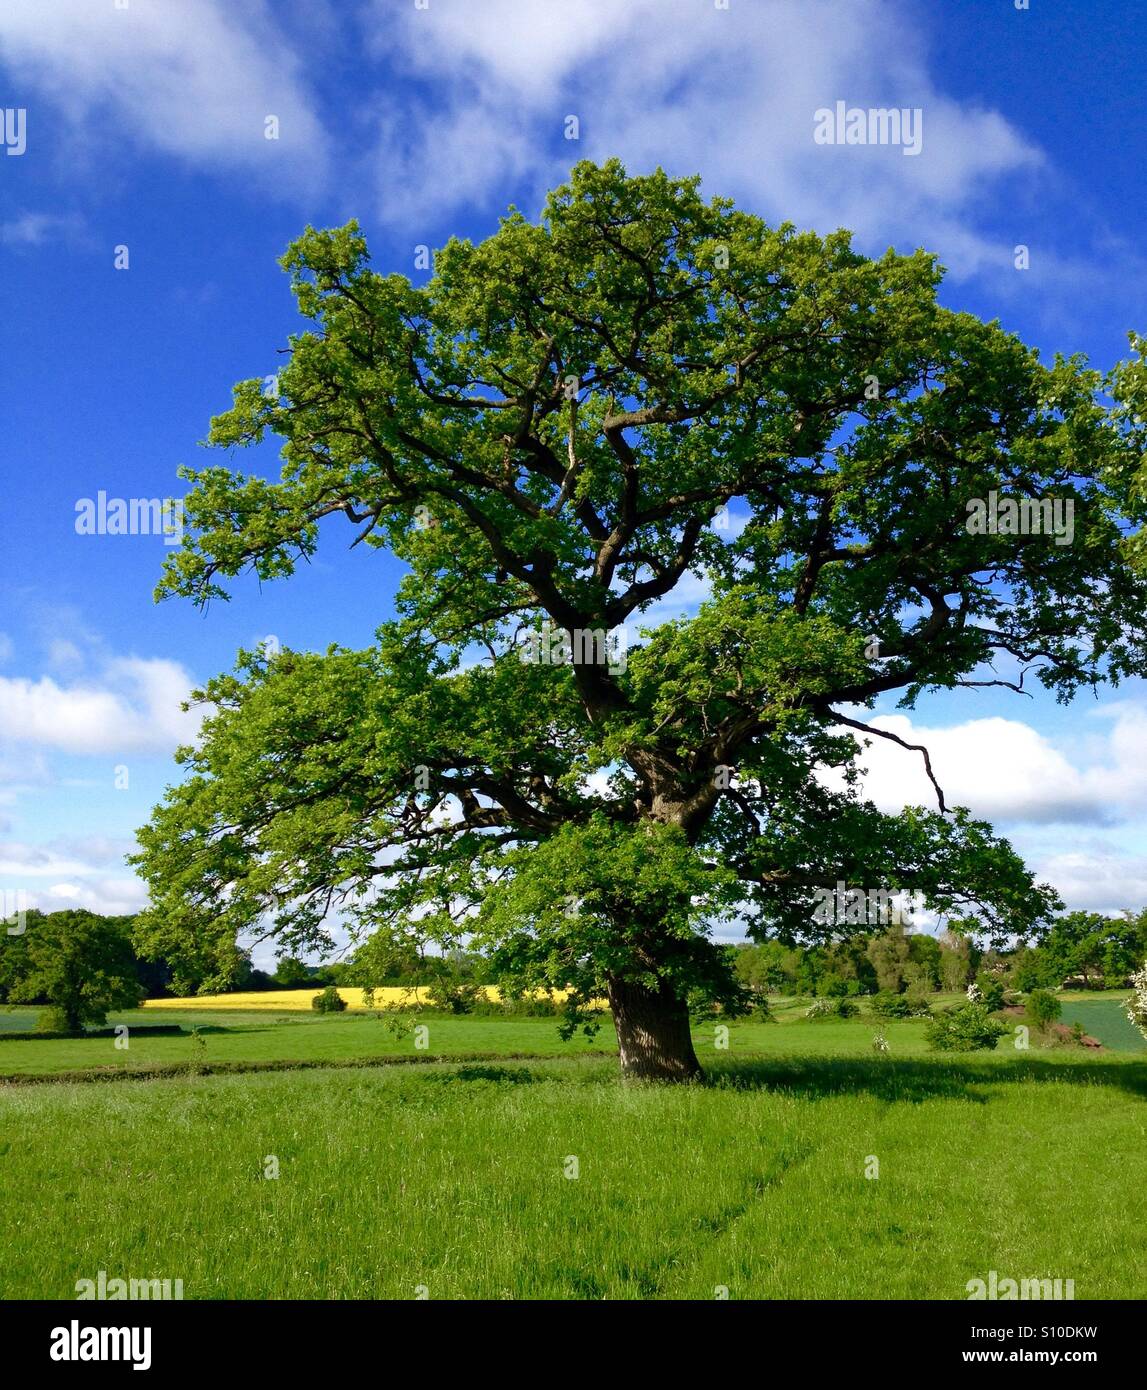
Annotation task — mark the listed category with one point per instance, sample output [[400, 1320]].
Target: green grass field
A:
[[451, 1177], [235, 1038], [232, 1038], [238, 1038], [1106, 1021]]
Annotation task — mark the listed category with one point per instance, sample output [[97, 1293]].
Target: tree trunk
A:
[[652, 1033]]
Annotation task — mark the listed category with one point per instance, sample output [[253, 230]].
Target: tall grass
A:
[[452, 1180]]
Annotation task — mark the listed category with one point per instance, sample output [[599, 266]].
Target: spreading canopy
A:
[[573, 426]]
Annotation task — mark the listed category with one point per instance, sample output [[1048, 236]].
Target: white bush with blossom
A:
[[1137, 1004], [974, 993]]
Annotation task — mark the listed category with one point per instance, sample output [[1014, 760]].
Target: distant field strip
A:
[[286, 1000], [1105, 1020]]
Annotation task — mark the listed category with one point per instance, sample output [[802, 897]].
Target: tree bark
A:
[[652, 1033]]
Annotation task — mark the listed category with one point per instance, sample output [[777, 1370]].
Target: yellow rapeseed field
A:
[[284, 1000]]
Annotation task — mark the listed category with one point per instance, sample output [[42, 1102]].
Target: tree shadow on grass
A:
[[205, 1028], [920, 1079]]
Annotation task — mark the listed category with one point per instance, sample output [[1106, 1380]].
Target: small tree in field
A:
[[1043, 1008], [565, 426], [83, 965], [329, 1001]]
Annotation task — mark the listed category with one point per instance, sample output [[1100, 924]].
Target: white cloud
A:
[[729, 93], [87, 872], [192, 80], [133, 706], [113, 897], [1096, 880], [94, 850], [64, 655], [1006, 771], [36, 228], [19, 860], [21, 769]]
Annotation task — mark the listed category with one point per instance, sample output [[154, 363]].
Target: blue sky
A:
[[146, 128]]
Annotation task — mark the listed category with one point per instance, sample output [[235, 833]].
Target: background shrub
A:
[[991, 992], [1043, 1008], [330, 1001], [54, 1020], [833, 1008], [966, 1028], [887, 1004], [456, 996]]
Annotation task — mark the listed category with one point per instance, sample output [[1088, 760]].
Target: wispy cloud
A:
[[197, 81], [731, 93], [30, 229]]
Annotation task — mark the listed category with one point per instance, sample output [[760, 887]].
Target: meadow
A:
[[805, 1166]]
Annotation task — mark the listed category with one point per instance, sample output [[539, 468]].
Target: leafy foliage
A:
[[1043, 1008], [965, 1028], [457, 996], [886, 1004], [83, 965], [1101, 950], [991, 991], [549, 435], [329, 1001]]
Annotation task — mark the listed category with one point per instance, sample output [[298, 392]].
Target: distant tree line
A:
[[1085, 949], [94, 956], [81, 965]]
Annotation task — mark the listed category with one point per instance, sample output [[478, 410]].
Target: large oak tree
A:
[[565, 425]]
